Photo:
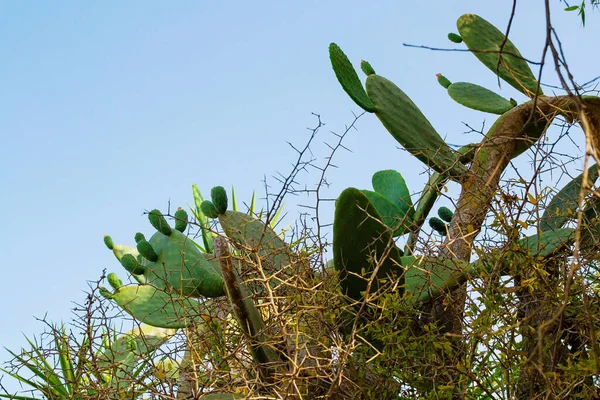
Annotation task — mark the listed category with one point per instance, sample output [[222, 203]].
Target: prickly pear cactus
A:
[[170, 261]]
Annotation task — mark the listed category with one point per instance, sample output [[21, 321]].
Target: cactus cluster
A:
[[179, 280], [370, 256]]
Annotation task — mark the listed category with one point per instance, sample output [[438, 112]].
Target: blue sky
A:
[[112, 108]]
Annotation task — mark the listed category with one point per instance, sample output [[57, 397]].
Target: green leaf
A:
[[572, 8]]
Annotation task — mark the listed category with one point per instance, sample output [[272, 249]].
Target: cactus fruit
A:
[[442, 80], [403, 119], [455, 38], [219, 199], [159, 222], [484, 41], [360, 244], [445, 214], [366, 68], [109, 242], [565, 203], [146, 250], [139, 237], [478, 98], [438, 225], [208, 208], [348, 78], [157, 308], [131, 264], [181, 220], [114, 281]]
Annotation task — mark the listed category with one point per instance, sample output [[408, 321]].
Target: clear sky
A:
[[108, 109]]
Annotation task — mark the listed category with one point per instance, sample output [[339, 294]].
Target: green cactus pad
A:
[[250, 234], [438, 225], [565, 203], [391, 185], [109, 242], [359, 238], [129, 349], [146, 250], [478, 98], [209, 209], [445, 214], [159, 222], [114, 281], [104, 292], [411, 129], [181, 220], [139, 236], [157, 308], [455, 38], [428, 277], [442, 80], [219, 199], [548, 243], [391, 215], [484, 40], [348, 78], [180, 267], [131, 264], [366, 68]]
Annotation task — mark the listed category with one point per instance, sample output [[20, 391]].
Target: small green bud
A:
[[438, 225], [159, 222], [109, 242], [131, 264], [367, 68], [181, 220], [106, 293], [147, 251], [139, 236], [442, 80], [454, 37], [219, 199], [445, 213], [114, 281], [209, 209]]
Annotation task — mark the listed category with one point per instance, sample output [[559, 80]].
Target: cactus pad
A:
[[407, 124], [484, 40], [564, 204], [442, 80], [360, 241], [478, 98], [348, 78], [157, 308], [366, 68]]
